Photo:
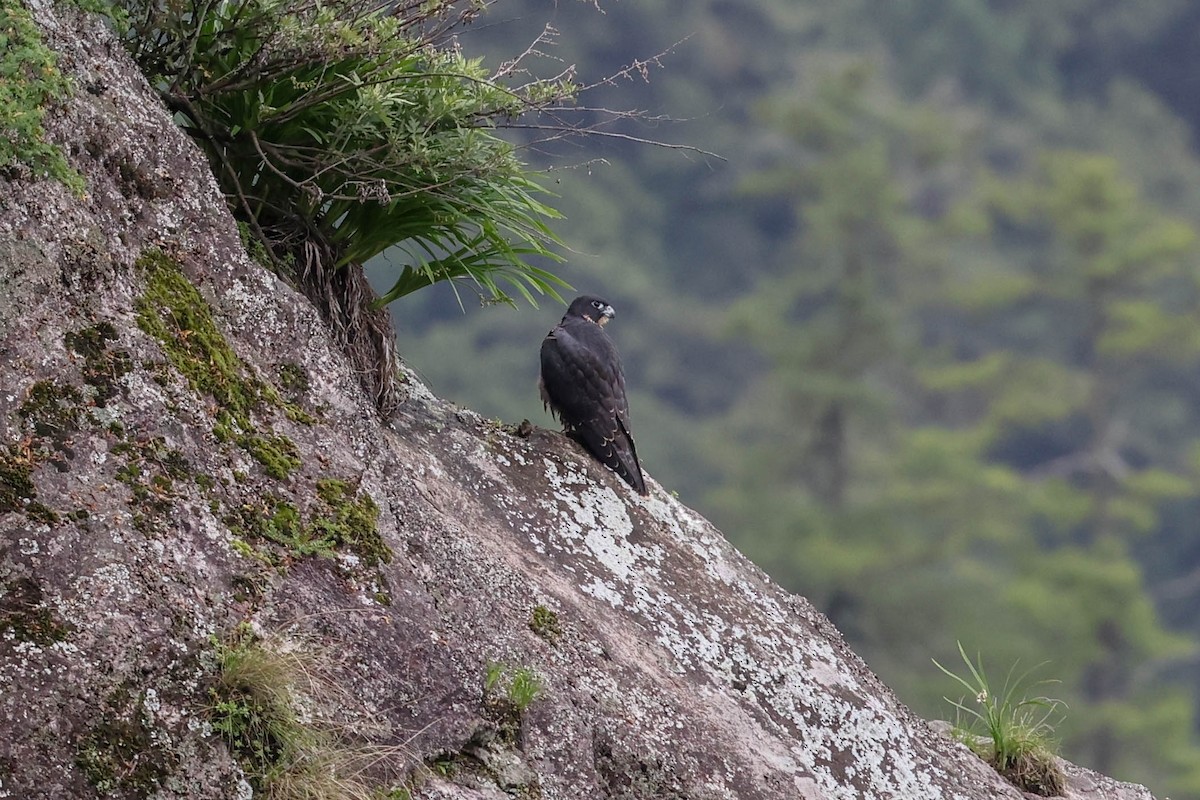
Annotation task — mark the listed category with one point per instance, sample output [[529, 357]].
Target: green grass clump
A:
[[521, 685], [254, 710], [1009, 729], [524, 687], [508, 692]]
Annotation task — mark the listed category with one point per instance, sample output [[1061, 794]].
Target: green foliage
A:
[[29, 83], [843, 193], [1017, 729], [521, 685], [524, 687], [340, 130]]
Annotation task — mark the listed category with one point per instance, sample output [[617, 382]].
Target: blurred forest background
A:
[[926, 345]]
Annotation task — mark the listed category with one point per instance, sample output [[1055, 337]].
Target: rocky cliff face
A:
[[206, 524]]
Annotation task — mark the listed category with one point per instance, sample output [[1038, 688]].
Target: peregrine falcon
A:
[[582, 384]]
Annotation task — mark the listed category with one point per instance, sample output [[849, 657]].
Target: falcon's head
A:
[[591, 308]]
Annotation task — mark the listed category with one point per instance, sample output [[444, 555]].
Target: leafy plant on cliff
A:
[[521, 685], [340, 129], [1010, 730]]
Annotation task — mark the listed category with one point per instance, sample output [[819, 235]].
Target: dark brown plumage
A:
[[582, 384]]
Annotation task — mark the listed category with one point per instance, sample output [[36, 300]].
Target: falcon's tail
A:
[[632, 475], [615, 451]]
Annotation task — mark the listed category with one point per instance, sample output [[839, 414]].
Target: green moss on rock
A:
[[17, 492], [31, 83], [172, 311], [40, 512], [151, 469], [16, 480], [352, 521], [344, 519], [277, 454], [545, 624], [280, 522], [93, 341], [51, 415], [24, 615], [294, 380], [119, 754], [103, 367], [51, 412]]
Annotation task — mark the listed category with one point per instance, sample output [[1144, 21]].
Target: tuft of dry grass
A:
[[266, 702]]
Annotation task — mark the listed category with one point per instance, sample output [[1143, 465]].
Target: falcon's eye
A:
[[597, 304]]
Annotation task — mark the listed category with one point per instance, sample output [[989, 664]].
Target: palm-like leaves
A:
[[352, 126]]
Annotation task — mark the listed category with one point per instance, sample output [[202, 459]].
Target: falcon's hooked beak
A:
[[606, 314]]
